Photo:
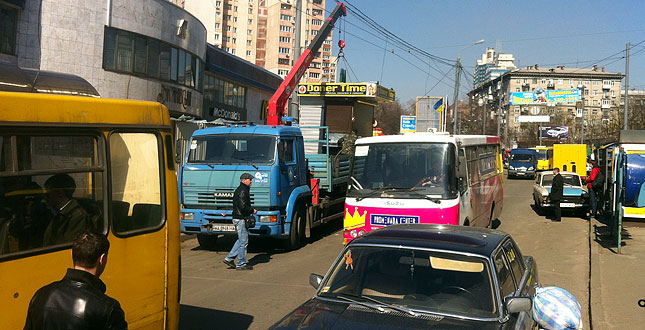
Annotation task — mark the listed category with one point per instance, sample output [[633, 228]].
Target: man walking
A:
[[555, 196], [78, 301], [241, 209], [594, 192]]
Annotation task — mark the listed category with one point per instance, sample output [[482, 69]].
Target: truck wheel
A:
[[297, 231], [206, 241]]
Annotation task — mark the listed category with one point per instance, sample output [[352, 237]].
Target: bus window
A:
[[55, 193], [136, 182]]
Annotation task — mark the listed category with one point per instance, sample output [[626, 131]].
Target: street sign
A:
[[408, 124]]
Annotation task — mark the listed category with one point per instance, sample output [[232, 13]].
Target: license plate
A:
[[520, 173], [567, 204], [223, 227]]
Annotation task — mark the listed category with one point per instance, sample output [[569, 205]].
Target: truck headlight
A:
[[353, 233], [531, 168], [268, 218], [187, 216], [511, 167]]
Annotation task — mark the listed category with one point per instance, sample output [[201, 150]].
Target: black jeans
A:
[[557, 211]]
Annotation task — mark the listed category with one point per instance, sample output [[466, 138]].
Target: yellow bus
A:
[[120, 156], [545, 158]]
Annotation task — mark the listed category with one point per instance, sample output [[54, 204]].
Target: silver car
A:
[[575, 196]]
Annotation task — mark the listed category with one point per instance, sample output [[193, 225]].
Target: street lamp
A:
[[484, 103], [457, 72], [581, 88]]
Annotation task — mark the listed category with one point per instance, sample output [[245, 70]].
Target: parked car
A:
[[574, 197], [421, 276]]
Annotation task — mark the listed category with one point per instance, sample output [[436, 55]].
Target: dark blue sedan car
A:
[[423, 276]]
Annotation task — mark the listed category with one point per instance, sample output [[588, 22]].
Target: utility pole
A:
[[295, 106], [456, 100], [499, 115], [484, 129], [625, 125], [505, 125]]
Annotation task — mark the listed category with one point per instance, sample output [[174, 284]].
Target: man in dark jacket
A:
[[557, 188], [241, 209], [78, 301]]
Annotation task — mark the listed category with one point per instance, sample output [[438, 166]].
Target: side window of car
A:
[[504, 277], [515, 260]]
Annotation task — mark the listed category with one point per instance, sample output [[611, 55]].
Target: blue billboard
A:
[[541, 96], [408, 124]]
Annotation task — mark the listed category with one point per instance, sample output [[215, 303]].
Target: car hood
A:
[[522, 164], [328, 315], [569, 191]]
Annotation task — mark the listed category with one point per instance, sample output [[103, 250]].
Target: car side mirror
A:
[[315, 280], [518, 304]]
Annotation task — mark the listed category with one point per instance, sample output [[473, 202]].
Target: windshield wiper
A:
[[432, 199], [343, 297], [248, 161], [396, 308], [380, 191]]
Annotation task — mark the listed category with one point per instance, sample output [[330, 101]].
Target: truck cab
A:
[[217, 156], [522, 162]]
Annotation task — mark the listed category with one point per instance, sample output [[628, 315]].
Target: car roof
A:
[[561, 172], [434, 236]]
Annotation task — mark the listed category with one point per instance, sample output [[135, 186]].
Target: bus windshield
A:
[[232, 149], [427, 168], [542, 154]]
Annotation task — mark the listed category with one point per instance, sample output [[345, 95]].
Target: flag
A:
[[439, 106]]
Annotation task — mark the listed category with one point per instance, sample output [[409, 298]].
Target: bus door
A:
[[465, 207]]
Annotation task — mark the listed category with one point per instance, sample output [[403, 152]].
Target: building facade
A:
[[492, 65], [263, 32], [599, 107]]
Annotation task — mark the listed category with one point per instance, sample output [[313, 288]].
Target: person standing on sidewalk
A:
[[78, 301], [241, 209], [594, 192], [557, 188]]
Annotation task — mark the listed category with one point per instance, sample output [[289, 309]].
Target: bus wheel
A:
[[206, 241], [297, 231]]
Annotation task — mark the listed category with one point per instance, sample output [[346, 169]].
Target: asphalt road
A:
[[214, 297]]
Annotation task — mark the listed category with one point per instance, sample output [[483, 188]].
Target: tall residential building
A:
[[492, 65], [599, 107], [264, 31]]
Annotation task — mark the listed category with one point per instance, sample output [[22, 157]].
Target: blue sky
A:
[[547, 33]]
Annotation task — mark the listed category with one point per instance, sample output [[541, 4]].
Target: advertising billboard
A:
[[408, 124], [554, 132], [542, 96], [429, 111]]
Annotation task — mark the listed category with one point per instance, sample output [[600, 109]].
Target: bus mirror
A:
[[178, 153]]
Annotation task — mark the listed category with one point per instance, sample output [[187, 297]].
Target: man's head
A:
[[89, 252], [556, 170], [246, 178], [60, 189]]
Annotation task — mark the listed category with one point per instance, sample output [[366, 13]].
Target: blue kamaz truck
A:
[[292, 191]]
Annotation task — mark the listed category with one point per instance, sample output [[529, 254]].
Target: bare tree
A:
[[388, 116]]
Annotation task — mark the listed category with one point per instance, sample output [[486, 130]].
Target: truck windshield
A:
[[522, 158], [232, 149], [542, 154], [427, 168]]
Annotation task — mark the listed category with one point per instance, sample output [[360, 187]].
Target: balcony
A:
[[606, 85], [606, 105]]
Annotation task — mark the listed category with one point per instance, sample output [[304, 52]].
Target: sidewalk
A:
[[617, 280]]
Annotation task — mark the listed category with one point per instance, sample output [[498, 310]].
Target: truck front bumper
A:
[[220, 222]]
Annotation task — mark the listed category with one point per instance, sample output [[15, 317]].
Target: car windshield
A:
[[426, 168], [232, 149], [569, 180], [436, 282], [522, 158]]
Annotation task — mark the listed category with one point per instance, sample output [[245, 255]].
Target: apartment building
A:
[[492, 65], [599, 106], [263, 32]]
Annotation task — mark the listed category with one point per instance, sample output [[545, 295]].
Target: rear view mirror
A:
[[178, 157], [315, 280], [518, 304]]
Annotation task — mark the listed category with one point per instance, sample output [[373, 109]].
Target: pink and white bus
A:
[[424, 178]]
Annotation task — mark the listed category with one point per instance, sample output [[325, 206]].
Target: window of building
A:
[[535, 80], [218, 3], [228, 49], [8, 29], [314, 32], [228, 39], [594, 111], [249, 32], [316, 22], [235, 9], [284, 17], [595, 92], [285, 6], [284, 61], [595, 102], [284, 28], [283, 72], [218, 14], [235, 19], [571, 82], [228, 28], [250, 22], [217, 25], [234, 40], [216, 36], [586, 92], [283, 50], [560, 81], [248, 53], [613, 94], [234, 30], [249, 42], [228, 17], [233, 51], [317, 12], [315, 75], [285, 39], [517, 89]]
